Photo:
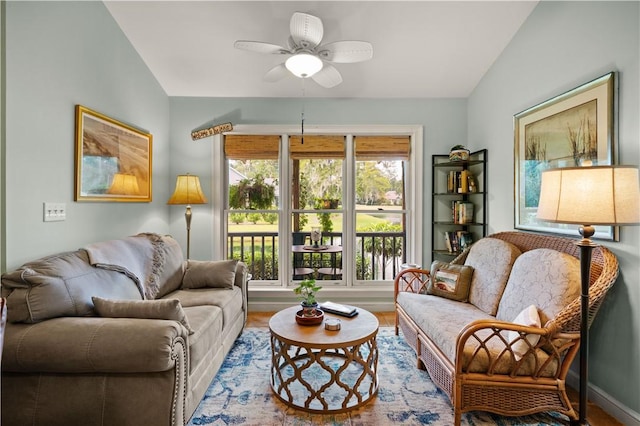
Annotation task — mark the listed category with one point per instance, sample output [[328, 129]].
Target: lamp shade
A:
[[597, 195], [187, 191], [124, 184], [303, 65]]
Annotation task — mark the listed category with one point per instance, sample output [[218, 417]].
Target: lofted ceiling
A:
[[422, 49]]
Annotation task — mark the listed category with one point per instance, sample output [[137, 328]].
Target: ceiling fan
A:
[[308, 58]]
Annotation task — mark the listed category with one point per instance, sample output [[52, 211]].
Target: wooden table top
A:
[[352, 330]]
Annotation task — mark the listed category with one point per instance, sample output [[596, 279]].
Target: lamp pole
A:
[[586, 249]]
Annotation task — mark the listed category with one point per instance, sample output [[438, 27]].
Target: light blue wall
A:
[[59, 54], [443, 121], [561, 46]]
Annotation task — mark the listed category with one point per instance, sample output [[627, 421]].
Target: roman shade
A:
[[382, 147], [252, 147], [316, 146]]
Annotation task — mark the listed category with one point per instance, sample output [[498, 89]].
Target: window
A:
[[358, 191]]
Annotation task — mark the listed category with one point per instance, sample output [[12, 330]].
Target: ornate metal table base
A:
[[325, 376]]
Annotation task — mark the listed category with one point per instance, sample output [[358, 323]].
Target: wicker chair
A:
[[511, 394]]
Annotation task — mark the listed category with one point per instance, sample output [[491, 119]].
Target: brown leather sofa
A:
[[143, 354]]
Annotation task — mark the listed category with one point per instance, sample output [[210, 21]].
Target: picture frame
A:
[[113, 159], [573, 129]]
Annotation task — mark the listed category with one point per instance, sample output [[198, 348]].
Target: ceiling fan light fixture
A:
[[303, 65]]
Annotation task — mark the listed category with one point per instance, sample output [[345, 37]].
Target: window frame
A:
[[413, 193]]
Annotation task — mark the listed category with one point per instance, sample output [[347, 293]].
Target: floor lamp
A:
[[587, 196], [187, 192]]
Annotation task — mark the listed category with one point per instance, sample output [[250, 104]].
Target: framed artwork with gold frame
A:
[[113, 159], [573, 129]]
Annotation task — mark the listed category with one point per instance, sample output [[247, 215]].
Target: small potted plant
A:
[[306, 292], [458, 153]]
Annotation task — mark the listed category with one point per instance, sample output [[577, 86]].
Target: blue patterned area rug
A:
[[241, 394]]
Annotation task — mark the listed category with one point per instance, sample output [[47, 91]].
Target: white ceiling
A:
[[422, 49]]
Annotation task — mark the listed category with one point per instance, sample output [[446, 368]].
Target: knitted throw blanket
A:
[[140, 257]]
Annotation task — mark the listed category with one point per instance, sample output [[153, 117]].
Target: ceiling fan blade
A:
[[306, 30], [276, 73], [328, 76], [348, 51], [260, 47]]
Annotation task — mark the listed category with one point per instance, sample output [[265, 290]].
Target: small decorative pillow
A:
[[529, 317], [168, 309], [212, 274], [450, 281]]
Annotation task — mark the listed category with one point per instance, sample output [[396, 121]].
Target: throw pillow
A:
[[168, 309], [212, 274], [529, 317], [450, 281]]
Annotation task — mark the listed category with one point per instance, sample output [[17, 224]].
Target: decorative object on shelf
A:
[[188, 191], [252, 194], [306, 292], [108, 153], [573, 129], [598, 195], [458, 153], [316, 236]]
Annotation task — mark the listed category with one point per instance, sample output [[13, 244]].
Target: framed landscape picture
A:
[[573, 129], [113, 159]]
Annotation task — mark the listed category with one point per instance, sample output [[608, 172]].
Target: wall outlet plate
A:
[[54, 212]]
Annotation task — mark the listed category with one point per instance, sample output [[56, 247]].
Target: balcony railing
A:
[[378, 254]]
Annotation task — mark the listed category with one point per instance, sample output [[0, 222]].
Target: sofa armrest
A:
[[411, 281], [490, 339], [242, 281], [94, 345]]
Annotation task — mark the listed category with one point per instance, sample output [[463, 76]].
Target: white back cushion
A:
[[546, 278], [491, 259]]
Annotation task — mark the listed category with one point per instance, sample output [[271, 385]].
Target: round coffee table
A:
[[323, 371]]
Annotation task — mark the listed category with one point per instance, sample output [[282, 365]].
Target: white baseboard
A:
[[613, 407]]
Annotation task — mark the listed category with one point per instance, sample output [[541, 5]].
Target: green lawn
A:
[[365, 221]]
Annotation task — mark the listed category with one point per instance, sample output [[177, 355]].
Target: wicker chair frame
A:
[[512, 394]]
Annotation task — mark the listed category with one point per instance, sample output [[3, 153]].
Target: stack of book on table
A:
[[339, 309]]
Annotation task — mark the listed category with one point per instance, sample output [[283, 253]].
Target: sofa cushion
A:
[[61, 285], [229, 301], [491, 259], [212, 274], [206, 340], [169, 309], [529, 317], [450, 281], [544, 277]]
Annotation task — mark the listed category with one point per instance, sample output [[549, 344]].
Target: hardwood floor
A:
[[595, 415]]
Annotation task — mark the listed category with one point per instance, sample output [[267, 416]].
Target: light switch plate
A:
[[54, 212]]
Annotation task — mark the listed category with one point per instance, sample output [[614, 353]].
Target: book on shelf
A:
[[462, 212], [338, 309], [461, 182], [457, 241]]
